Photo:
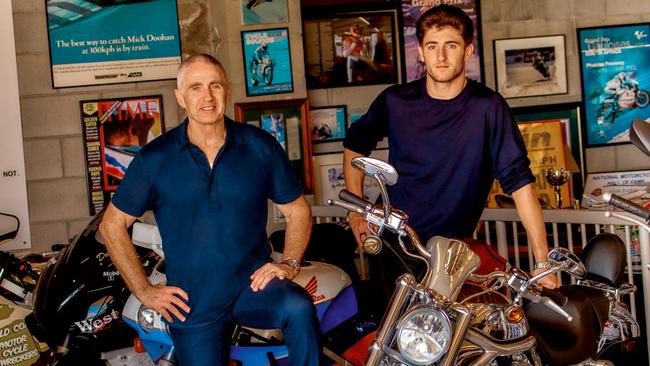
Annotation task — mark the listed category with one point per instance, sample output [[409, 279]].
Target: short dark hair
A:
[[200, 57], [446, 16]]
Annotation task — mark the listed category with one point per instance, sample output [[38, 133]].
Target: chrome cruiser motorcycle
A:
[[428, 322]]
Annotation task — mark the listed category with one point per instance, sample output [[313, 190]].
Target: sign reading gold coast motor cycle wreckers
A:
[[17, 346], [114, 131], [545, 145]]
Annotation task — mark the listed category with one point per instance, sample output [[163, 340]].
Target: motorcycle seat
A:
[[604, 258]]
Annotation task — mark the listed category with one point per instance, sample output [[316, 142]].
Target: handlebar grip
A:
[[626, 205], [352, 198]]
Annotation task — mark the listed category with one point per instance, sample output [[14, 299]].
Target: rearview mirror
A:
[[9, 225], [571, 263], [372, 166]]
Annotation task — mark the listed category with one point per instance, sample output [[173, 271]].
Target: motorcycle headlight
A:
[[146, 318], [423, 335]]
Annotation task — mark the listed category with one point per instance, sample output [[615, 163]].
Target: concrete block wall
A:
[[528, 18], [56, 179]]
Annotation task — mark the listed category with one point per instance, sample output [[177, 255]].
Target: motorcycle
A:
[[330, 288], [428, 322], [77, 304], [612, 106], [262, 70]]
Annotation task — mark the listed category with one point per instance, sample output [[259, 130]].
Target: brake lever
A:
[[555, 307]]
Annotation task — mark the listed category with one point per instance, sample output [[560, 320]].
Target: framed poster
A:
[[264, 12], [528, 67], [631, 185], [545, 144], [615, 70], [411, 11], [329, 179], [287, 121], [267, 61], [350, 49], [108, 42], [327, 123], [114, 131], [569, 115]]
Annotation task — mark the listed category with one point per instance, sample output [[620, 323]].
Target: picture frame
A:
[[615, 74], [267, 61], [255, 12], [292, 118], [531, 66], [570, 115], [413, 67], [350, 49], [329, 179], [114, 130], [327, 124], [107, 43]]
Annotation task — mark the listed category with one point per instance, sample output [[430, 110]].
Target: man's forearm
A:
[[298, 216], [532, 218], [353, 176], [121, 250]]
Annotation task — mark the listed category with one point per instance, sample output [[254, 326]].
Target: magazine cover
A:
[[106, 42], [615, 80], [114, 131], [411, 11], [267, 61]]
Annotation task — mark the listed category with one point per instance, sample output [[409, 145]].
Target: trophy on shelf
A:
[[557, 178]]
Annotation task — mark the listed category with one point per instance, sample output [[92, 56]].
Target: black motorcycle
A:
[[78, 301]]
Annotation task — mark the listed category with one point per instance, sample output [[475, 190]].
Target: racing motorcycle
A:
[[329, 286], [262, 71], [432, 322], [77, 304], [611, 107]]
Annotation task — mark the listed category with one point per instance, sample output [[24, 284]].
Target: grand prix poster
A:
[[615, 80]]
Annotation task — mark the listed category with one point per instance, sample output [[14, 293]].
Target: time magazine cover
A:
[[114, 131]]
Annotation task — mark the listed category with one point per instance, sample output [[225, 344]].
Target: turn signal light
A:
[[138, 346], [514, 314]]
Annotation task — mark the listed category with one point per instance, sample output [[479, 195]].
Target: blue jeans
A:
[[282, 304]]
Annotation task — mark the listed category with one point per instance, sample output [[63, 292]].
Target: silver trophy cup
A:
[[556, 178]]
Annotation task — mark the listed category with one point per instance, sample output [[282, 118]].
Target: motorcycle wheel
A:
[[268, 75], [642, 99]]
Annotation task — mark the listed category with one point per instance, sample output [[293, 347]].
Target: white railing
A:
[[571, 229]]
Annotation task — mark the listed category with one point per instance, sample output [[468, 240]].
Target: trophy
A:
[[556, 178]]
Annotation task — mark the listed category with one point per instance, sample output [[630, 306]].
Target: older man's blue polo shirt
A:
[[212, 220]]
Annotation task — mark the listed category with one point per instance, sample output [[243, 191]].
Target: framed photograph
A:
[[264, 12], [288, 122], [350, 49], [108, 42], [327, 123], [615, 74], [411, 11], [114, 131], [528, 67], [267, 61], [329, 179]]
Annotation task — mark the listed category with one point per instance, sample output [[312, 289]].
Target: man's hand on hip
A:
[[166, 300]]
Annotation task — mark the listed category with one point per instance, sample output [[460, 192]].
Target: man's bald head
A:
[[201, 57]]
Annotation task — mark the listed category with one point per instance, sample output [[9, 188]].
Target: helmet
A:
[[264, 46]]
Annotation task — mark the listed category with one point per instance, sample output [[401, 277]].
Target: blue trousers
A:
[[282, 304]]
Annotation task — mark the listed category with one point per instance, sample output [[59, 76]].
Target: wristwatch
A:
[[293, 263], [542, 265]]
